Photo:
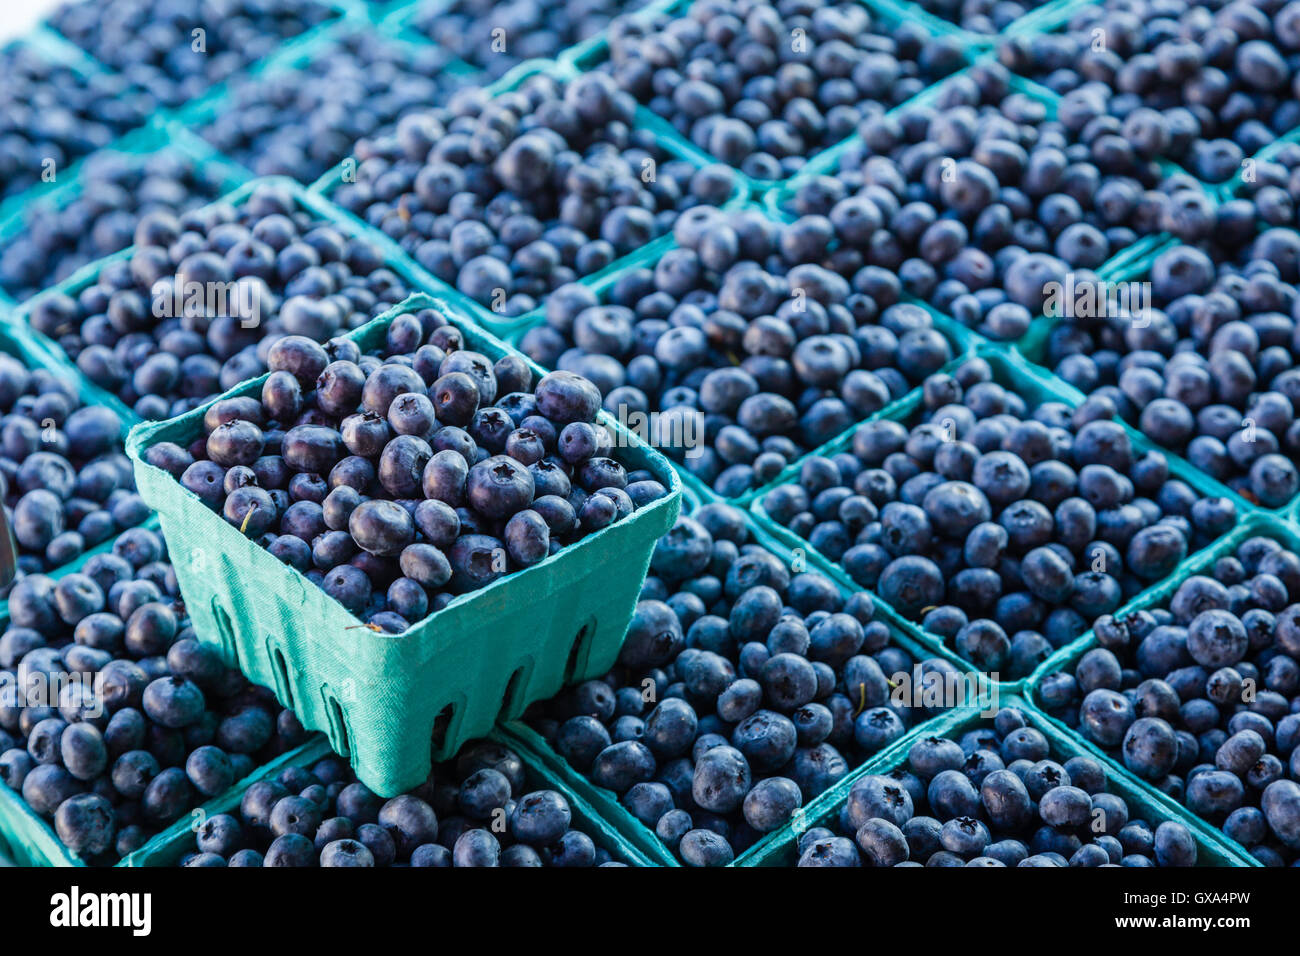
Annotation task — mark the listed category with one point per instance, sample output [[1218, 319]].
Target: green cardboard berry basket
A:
[[1120, 266], [135, 148], [17, 342], [827, 162], [887, 13], [403, 18], [597, 47], [52, 48], [296, 57], [169, 847], [1236, 186], [1033, 346], [341, 10], [1125, 266], [29, 839], [783, 850], [52, 353], [1058, 15], [1026, 380], [1044, 18], [1255, 525], [962, 341], [509, 327], [391, 703], [902, 634]]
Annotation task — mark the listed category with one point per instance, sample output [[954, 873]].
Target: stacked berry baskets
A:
[[715, 433]]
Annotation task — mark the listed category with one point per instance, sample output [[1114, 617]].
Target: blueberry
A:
[[381, 527], [86, 823], [1174, 845], [498, 487], [770, 803], [564, 397], [173, 702], [705, 848], [1150, 747], [346, 853], [830, 851], [722, 778], [409, 821], [623, 764]]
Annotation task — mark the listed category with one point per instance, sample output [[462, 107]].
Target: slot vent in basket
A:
[[578, 652], [284, 687], [513, 687], [226, 631], [441, 724], [338, 729]]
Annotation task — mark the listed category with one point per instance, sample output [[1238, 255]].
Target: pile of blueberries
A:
[[67, 486], [992, 798], [754, 341], [1005, 526], [1202, 696], [1208, 370], [259, 271], [508, 197], [476, 811], [1273, 189], [52, 114], [498, 36], [301, 122], [1203, 83], [179, 49], [765, 84], [792, 359], [116, 192], [744, 689], [398, 483], [114, 720], [980, 16], [978, 199]]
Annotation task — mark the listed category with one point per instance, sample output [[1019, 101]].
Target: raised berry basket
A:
[[903, 634], [1257, 524], [781, 849], [168, 847], [29, 840], [391, 702], [509, 328]]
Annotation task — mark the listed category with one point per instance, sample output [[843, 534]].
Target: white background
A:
[[19, 16]]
